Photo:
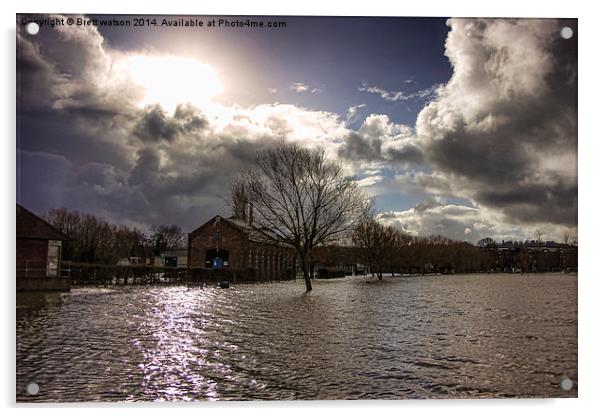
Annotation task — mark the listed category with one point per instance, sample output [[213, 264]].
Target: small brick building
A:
[[39, 250], [230, 243]]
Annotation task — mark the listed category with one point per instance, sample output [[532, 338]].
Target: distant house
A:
[[532, 256], [234, 244], [173, 258], [39, 250]]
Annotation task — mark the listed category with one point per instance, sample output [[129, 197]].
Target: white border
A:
[[589, 223]]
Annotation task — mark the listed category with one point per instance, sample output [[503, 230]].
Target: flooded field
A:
[[414, 337]]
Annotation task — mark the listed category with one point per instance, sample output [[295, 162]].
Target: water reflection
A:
[[443, 336]]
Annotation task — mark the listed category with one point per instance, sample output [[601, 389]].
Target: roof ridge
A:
[[38, 218]]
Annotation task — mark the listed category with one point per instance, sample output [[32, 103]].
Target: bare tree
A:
[[300, 198], [378, 245], [538, 234], [237, 201], [167, 237], [93, 239], [365, 239]]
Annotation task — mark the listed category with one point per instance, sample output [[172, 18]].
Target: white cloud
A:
[[352, 112], [160, 165], [399, 95], [380, 141], [370, 181], [499, 134], [464, 223], [300, 87], [502, 131]]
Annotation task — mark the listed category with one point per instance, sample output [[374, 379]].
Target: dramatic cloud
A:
[[154, 124], [99, 135], [464, 223], [110, 152], [502, 131]]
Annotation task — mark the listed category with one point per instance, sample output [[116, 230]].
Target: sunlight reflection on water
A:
[[419, 337]]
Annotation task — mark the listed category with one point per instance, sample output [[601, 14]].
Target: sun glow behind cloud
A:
[[172, 80], [156, 163]]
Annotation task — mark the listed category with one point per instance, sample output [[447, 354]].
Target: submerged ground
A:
[[412, 337]]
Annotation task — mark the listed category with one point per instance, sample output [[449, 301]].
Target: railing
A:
[[29, 268]]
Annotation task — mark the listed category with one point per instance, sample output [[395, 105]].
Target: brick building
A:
[[39, 250], [233, 244]]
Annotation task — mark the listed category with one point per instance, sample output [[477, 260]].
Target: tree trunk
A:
[[305, 272], [307, 281]]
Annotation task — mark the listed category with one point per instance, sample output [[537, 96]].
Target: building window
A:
[[54, 258]]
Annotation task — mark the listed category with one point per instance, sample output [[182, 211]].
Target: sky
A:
[[465, 128]]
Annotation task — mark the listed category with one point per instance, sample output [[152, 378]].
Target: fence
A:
[[39, 269], [102, 274]]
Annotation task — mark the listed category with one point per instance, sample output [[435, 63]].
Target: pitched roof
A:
[[29, 225], [251, 232]]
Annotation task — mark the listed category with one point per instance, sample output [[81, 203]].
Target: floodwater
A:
[[464, 336]]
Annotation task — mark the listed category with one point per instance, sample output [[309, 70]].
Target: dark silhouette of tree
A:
[[167, 237], [378, 246], [300, 198], [93, 239], [538, 235]]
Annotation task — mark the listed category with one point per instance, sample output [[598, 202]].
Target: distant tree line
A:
[[95, 240], [384, 249], [379, 248]]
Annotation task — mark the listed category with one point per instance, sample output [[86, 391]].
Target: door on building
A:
[[217, 258], [53, 264]]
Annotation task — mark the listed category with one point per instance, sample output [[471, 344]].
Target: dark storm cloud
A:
[[503, 129], [66, 104], [554, 204], [502, 133], [190, 118], [380, 140], [146, 167], [357, 147], [407, 154], [155, 124], [88, 147], [35, 77], [83, 143]]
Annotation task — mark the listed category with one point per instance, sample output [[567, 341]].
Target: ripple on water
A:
[[441, 336]]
